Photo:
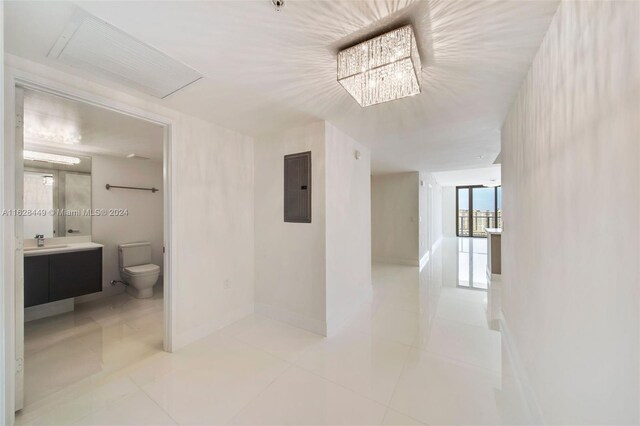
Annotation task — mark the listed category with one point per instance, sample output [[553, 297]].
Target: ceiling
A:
[[266, 70], [479, 176], [101, 131]]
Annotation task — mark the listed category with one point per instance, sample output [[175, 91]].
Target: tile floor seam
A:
[[482, 327], [253, 346], [259, 394], [411, 417], [395, 388], [461, 363], [340, 385], [153, 400]]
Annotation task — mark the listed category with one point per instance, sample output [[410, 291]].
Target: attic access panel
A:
[[93, 45], [297, 187]]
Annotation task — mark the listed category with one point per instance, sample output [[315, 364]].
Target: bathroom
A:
[[92, 224]]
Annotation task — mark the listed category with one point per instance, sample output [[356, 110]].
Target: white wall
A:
[[290, 258], [431, 213], [144, 221], [394, 218], [424, 218], [348, 219], [571, 241], [430, 216], [449, 211], [212, 203], [313, 275]]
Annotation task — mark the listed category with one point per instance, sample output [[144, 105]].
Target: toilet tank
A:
[[133, 254]]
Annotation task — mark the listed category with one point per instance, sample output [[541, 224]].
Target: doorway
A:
[[16, 273]]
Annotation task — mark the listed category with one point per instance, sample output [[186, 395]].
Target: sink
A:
[[46, 247]]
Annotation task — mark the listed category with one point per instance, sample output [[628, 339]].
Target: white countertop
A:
[[496, 231], [60, 248]]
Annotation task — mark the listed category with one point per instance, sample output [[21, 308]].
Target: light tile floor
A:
[[98, 338], [419, 353]]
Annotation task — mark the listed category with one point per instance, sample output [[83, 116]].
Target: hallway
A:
[[419, 352]]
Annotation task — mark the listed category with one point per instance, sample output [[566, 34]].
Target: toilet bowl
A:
[[136, 269]]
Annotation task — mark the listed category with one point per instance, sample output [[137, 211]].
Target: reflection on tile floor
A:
[[98, 338], [420, 353], [472, 262]]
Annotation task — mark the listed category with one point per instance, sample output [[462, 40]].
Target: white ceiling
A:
[[479, 176], [102, 131], [265, 70]]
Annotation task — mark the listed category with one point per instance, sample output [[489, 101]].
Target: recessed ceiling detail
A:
[[381, 69], [96, 46]]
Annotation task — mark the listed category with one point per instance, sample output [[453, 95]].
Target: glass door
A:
[[478, 207], [483, 210], [462, 214]]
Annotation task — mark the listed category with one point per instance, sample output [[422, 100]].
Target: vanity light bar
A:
[[50, 158]]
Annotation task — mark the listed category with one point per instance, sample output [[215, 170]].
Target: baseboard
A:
[[183, 339], [106, 292], [292, 318], [50, 309], [394, 261], [523, 385]]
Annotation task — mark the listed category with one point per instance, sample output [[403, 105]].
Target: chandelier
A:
[[381, 69]]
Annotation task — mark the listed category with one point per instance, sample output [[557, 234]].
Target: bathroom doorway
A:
[[94, 179]]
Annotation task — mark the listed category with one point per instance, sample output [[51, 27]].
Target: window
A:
[[478, 207]]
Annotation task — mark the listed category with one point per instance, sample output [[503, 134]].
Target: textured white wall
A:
[[144, 221], [433, 212], [212, 202], [449, 211], [313, 275], [424, 216], [290, 258], [430, 215], [571, 241], [394, 218], [348, 217]]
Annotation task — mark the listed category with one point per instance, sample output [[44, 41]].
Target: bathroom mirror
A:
[[57, 194]]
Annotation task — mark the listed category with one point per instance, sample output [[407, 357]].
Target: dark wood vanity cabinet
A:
[[48, 278], [74, 274], [36, 280]]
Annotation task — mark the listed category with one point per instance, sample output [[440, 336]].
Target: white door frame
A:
[[16, 78]]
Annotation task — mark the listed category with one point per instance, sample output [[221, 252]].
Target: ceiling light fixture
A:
[[50, 158], [381, 69]]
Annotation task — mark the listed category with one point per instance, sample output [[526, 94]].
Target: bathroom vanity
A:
[[62, 271], [68, 264]]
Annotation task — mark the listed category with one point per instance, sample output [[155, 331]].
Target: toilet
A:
[[136, 269]]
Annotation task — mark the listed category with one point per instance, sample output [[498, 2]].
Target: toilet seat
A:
[[138, 270]]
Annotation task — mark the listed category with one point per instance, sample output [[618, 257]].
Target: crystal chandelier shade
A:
[[382, 69]]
